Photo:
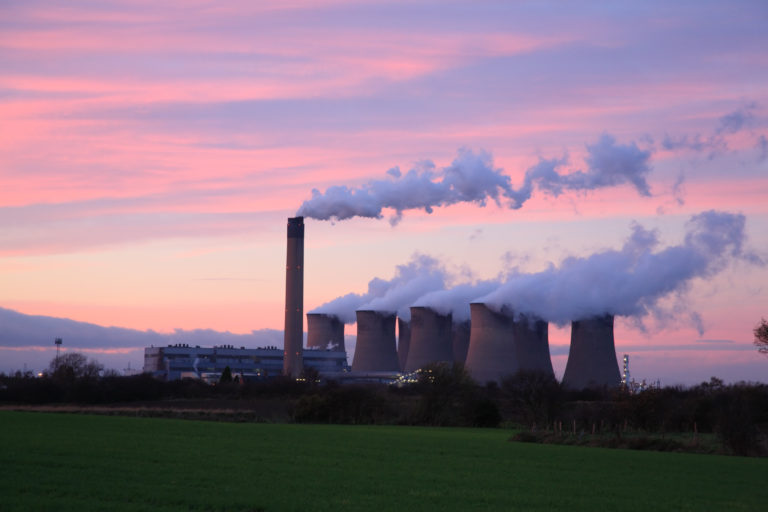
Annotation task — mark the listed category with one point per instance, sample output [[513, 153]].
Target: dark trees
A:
[[761, 337]]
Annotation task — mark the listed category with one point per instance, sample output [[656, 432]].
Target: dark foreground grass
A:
[[81, 462]]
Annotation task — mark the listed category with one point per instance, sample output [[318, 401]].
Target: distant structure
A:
[[430, 338], [625, 379], [460, 332], [57, 342], [492, 352], [294, 299], [325, 332], [375, 348], [183, 361], [403, 341], [592, 357]]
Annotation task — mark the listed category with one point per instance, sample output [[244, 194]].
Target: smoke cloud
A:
[[419, 276], [629, 281], [472, 178], [456, 300]]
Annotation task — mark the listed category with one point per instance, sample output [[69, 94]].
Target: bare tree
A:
[[761, 337], [74, 365]]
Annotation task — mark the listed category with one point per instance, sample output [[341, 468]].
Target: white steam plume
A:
[[456, 300], [412, 280], [472, 178], [629, 281]]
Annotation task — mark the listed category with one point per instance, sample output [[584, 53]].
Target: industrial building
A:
[[492, 352], [430, 339], [375, 350], [325, 332], [181, 361], [592, 358]]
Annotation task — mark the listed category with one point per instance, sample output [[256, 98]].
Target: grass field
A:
[[82, 462]]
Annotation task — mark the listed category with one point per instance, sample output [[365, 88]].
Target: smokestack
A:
[[460, 332], [293, 362], [325, 331], [403, 341], [532, 341], [592, 358], [492, 352], [430, 338], [375, 349]]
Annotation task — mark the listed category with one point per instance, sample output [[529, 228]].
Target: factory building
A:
[[180, 361]]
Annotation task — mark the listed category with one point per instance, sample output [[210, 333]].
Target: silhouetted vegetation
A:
[[761, 337], [734, 417]]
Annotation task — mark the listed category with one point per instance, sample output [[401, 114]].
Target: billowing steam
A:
[[456, 300], [629, 281], [472, 178], [626, 282], [412, 280]]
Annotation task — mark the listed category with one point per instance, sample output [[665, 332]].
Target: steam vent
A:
[[592, 358], [403, 341], [532, 342], [375, 349], [430, 338], [492, 352], [325, 332], [293, 364], [460, 340]]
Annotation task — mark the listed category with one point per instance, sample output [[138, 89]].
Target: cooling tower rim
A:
[[433, 310], [598, 316], [329, 315], [382, 312]]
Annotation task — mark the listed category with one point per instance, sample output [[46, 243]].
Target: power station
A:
[[493, 344]]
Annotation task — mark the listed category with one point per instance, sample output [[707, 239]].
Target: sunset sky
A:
[[150, 153]]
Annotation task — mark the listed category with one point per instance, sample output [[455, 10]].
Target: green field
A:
[[83, 462]]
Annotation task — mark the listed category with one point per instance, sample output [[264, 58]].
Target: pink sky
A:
[[150, 152]]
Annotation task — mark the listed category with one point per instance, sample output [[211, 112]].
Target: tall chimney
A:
[[293, 363]]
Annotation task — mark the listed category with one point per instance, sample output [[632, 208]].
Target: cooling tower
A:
[[294, 299], [430, 338], [592, 358], [532, 342], [325, 332], [492, 353], [460, 340], [375, 349], [403, 341]]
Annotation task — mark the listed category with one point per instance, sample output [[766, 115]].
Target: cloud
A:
[[632, 280], [419, 276], [20, 330], [737, 120]]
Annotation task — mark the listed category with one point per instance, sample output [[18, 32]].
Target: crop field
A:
[[85, 462]]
